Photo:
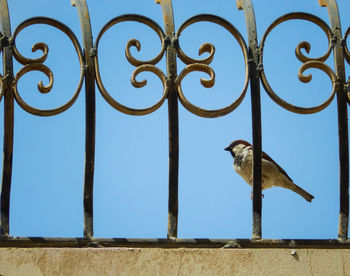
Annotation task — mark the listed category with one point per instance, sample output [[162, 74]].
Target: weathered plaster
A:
[[181, 262]]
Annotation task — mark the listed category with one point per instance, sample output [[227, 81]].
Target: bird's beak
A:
[[228, 149]]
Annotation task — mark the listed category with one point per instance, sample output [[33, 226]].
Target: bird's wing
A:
[[267, 157]]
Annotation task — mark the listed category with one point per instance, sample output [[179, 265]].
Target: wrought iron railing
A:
[[172, 94]]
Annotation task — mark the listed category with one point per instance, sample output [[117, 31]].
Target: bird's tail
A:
[[300, 191]]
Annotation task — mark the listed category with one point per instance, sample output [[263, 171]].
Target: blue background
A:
[[131, 168]]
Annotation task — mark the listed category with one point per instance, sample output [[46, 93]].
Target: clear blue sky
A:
[[131, 176]]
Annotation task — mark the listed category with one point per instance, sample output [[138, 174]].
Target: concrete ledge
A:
[[153, 261]]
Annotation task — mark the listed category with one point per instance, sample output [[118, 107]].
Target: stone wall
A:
[[130, 261]]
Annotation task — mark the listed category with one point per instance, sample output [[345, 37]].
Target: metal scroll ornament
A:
[[317, 63], [2, 89], [37, 65], [347, 58], [2, 41], [142, 66], [203, 66]]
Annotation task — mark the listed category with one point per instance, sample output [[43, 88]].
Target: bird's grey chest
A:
[[243, 164], [238, 160]]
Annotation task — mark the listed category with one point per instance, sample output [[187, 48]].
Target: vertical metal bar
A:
[[8, 123], [90, 117], [342, 116], [168, 18], [253, 56]]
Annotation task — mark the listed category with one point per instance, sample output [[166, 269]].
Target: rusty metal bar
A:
[[253, 60], [178, 243], [342, 116], [8, 123], [168, 18], [90, 117]]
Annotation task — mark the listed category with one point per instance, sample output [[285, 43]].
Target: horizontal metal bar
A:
[[28, 242]]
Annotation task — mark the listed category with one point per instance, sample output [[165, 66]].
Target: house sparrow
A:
[[272, 173]]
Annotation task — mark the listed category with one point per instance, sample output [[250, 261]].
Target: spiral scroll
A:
[[37, 65], [141, 65], [2, 37], [346, 49], [347, 57], [2, 89], [308, 62], [139, 84], [202, 65]]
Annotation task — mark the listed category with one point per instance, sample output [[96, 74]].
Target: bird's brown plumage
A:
[[243, 162]]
